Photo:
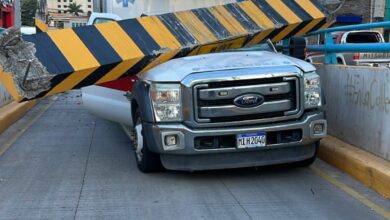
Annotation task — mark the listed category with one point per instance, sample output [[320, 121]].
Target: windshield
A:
[[102, 20], [363, 37], [258, 47]]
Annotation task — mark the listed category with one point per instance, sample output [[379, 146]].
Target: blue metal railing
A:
[[330, 48]]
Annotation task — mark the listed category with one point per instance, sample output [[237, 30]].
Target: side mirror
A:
[[297, 47], [279, 48]]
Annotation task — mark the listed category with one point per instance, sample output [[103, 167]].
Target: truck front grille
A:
[[214, 102]]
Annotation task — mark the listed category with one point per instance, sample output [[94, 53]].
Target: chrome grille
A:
[[215, 100]]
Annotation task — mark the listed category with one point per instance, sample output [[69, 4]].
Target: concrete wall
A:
[[5, 98], [358, 106]]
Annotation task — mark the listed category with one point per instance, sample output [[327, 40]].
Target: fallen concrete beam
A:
[[56, 61], [41, 26]]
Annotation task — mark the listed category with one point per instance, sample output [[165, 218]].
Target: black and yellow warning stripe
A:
[[104, 52], [40, 26]]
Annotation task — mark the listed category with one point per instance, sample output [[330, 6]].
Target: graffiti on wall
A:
[[368, 91]]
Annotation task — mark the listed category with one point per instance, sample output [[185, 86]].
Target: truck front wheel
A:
[[147, 161]]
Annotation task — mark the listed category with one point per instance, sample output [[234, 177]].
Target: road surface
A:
[[60, 162]]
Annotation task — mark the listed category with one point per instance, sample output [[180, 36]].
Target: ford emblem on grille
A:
[[249, 100]]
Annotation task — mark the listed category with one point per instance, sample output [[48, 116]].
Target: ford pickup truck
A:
[[222, 110]]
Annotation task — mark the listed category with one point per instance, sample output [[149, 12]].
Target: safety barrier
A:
[[40, 25], [73, 58]]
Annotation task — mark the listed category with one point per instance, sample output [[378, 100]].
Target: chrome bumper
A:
[[155, 132]]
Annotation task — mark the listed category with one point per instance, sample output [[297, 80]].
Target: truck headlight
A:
[[312, 90], [166, 100]]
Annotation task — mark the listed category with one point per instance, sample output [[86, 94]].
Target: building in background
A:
[[61, 20], [59, 17], [61, 6], [7, 13]]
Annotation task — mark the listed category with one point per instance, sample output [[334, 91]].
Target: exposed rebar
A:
[[18, 57]]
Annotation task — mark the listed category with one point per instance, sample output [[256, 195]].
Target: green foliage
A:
[[28, 9], [74, 8]]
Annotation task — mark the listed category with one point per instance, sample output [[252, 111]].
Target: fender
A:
[[140, 94]]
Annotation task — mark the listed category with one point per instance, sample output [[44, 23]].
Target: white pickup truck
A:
[[248, 107], [215, 111], [359, 58]]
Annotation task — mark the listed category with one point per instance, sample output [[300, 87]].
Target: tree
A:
[[28, 9], [74, 9]]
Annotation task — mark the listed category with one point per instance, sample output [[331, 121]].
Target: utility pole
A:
[[18, 15]]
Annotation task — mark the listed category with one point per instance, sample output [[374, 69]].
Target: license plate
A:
[[251, 140]]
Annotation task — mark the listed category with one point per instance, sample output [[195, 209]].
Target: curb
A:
[[12, 112], [369, 169]]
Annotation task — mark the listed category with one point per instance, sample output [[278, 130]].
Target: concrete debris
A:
[[18, 57]]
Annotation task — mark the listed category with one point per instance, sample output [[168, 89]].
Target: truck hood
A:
[[176, 70]]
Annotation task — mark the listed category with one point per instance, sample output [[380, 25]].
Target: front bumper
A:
[[372, 62], [187, 157]]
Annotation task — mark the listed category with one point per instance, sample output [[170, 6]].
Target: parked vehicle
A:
[[222, 110], [358, 59], [242, 108]]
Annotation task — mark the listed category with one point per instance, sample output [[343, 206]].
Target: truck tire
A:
[[147, 161], [310, 161]]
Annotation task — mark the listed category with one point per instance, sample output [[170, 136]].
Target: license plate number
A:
[[251, 140]]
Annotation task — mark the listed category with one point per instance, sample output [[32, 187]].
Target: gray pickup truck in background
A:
[[221, 110], [355, 59]]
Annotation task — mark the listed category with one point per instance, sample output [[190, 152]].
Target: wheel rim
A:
[[138, 141]]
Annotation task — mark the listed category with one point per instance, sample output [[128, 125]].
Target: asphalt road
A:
[[64, 163]]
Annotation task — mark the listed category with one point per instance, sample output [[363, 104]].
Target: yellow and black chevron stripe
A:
[[40, 26], [104, 52]]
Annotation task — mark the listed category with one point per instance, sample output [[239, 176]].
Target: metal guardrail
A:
[[330, 48]]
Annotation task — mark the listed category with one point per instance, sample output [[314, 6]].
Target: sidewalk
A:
[[369, 169], [12, 112]]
